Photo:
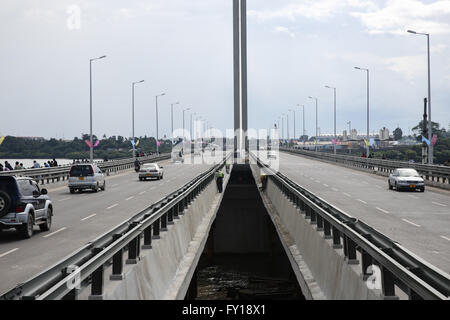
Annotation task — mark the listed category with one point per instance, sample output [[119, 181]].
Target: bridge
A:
[[304, 225]]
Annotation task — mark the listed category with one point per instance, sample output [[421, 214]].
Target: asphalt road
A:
[[82, 217], [418, 221]]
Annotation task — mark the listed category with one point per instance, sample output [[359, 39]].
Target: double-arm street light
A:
[[368, 138], [132, 115], [91, 147], [303, 121], [184, 136], [335, 138], [317, 120], [430, 134], [171, 118], [157, 131]]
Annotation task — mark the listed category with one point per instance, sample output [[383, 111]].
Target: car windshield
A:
[[408, 173], [149, 166], [80, 171]]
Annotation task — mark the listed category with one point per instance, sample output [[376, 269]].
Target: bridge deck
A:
[[418, 221]]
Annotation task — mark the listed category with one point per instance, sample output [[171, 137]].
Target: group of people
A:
[[20, 166]]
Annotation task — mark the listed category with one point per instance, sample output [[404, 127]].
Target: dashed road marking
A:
[[152, 188], [334, 189], [326, 185], [88, 217], [8, 252], [382, 210], [444, 237], [114, 205], [439, 204], [317, 181], [412, 223], [345, 193], [128, 199], [65, 199], [141, 193], [362, 201], [53, 233]]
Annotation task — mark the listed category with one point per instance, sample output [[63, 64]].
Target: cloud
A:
[[399, 15], [284, 30], [410, 67]]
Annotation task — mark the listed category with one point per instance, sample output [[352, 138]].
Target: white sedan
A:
[[151, 170], [406, 179]]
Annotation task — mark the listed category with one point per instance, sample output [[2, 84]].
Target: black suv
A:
[[23, 205]]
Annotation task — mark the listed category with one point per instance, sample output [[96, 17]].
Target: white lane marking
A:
[[51, 234], [64, 199], [317, 181], [114, 205], [334, 189], [345, 193], [326, 185], [8, 252], [444, 237], [152, 188], [407, 221], [141, 193], [414, 197], [382, 210], [439, 204], [92, 215], [127, 199], [362, 201]]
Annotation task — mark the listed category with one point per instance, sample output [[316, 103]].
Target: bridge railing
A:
[[43, 175], [398, 267], [87, 265], [434, 175]]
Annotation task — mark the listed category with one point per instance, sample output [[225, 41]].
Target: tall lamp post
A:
[[91, 147], [157, 131], [303, 121], [184, 138], [171, 118], [368, 133], [335, 138], [132, 115], [293, 111], [430, 134], [317, 121], [192, 133]]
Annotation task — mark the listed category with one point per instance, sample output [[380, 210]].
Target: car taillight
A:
[[20, 208]]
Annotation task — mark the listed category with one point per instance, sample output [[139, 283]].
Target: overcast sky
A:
[[184, 48]]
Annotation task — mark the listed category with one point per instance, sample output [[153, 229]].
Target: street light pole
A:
[[335, 138], [192, 114], [157, 131], [91, 147], [317, 120], [303, 122], [293, 111], [430, 128], [368, 133], [132, 115]]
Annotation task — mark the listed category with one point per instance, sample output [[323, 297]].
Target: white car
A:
[[86, 176], [151, 170], [406, 178]]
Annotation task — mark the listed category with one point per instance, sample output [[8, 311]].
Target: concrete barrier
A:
[[323, 272], [165, 271]]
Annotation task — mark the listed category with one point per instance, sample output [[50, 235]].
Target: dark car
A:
[[23, 205]]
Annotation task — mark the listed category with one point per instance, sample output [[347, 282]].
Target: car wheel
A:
[[26, 230], [5, 203], [396, 187], [95, 188], [48, 222], [104, 186], [390, 187], [72, 190], [422, 189]]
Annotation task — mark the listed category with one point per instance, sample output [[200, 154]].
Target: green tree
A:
[[398, 134]]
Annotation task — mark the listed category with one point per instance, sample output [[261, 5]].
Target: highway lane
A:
[[418, 221], [81, 217]]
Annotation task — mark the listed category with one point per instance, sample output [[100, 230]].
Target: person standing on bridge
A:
[[219, 180]]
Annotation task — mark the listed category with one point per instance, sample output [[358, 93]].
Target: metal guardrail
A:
[[399, 267], [91, 260], [437, 175], [62, 172]]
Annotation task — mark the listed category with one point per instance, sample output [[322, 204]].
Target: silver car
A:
[[86, 176], [151, 170], [406, 178]]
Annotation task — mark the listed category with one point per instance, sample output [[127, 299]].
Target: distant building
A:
[[344, 135], [354, 134], [384, 134]]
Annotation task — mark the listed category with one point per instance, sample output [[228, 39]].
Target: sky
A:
[[184, 49]]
